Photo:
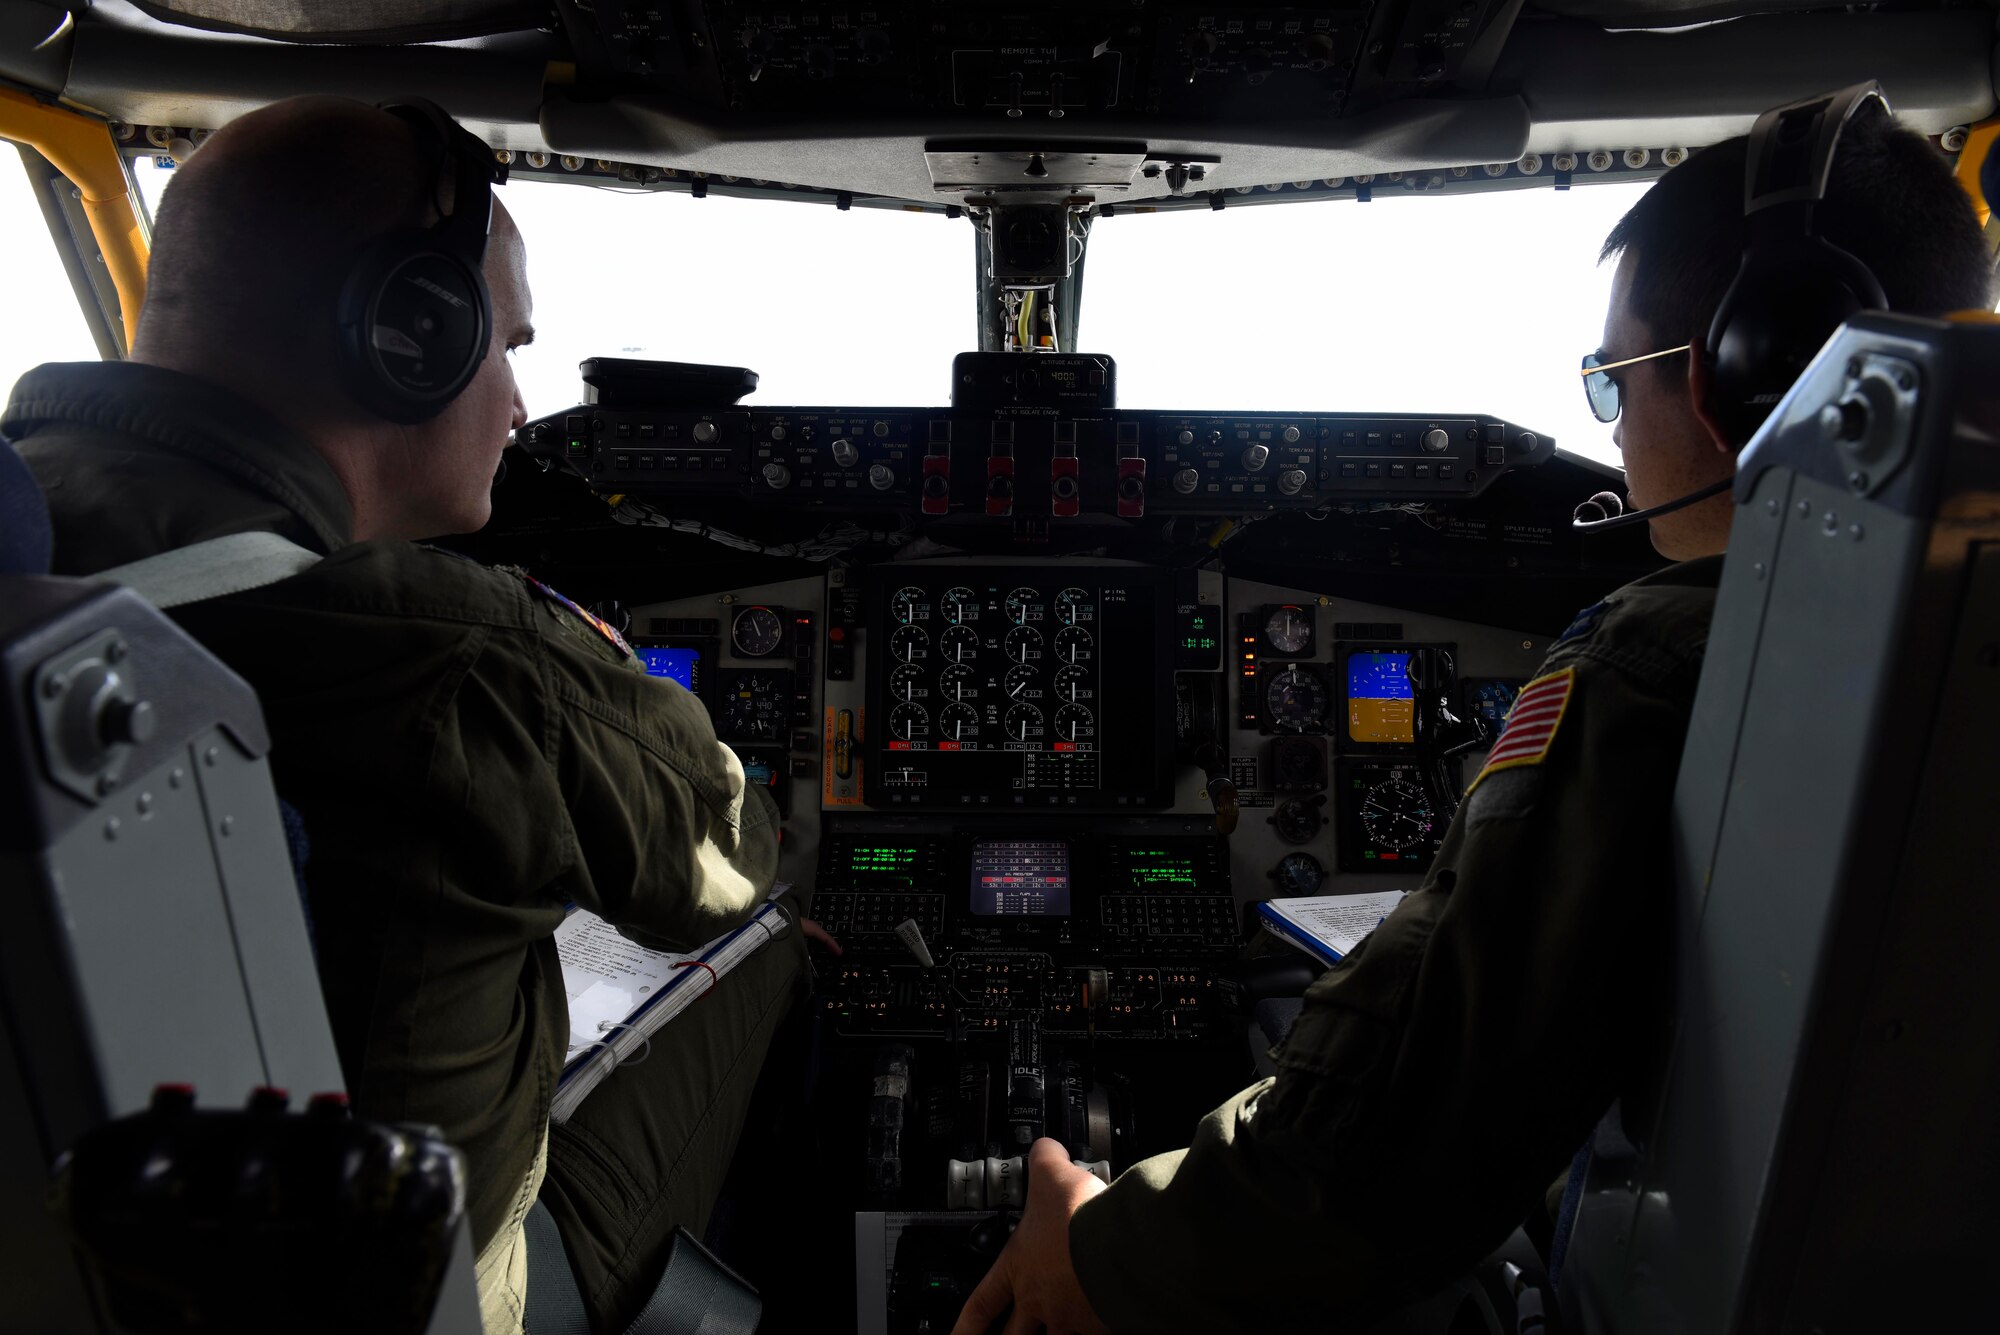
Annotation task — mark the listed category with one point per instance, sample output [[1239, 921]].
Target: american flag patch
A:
[[1531, 725]]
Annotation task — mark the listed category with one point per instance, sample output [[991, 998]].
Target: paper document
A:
[[1328, 926], [621, 994]]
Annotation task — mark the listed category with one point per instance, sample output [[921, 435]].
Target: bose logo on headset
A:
[[1793, 290], [414, 318]]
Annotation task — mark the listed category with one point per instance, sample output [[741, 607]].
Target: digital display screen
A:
[[1018, 878], [1020, 686], [1159, 869], [674, 664], [1381, 707]]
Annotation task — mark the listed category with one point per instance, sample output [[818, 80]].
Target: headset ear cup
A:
[[414, 325], [1773, 320]]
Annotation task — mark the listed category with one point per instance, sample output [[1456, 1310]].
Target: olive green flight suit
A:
[[1446, 1071], [469, 755]]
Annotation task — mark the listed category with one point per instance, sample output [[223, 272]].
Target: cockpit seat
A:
[[154, 936]]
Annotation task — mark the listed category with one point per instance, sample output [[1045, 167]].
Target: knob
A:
[[881, 430], [778, 431], [124, 724], [704, 433], [1437, 440], [1131, 487], [1186, 480], [1000, 487], [1292, 481], [1256, 457], [777, 476], [1186, 437], [1290, 435], [1064, 488], [1214, 437], [936, 485], [1527, 441], [845, 453], [881, 476]]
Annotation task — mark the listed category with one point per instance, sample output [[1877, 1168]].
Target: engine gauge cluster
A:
[[1022, 686]]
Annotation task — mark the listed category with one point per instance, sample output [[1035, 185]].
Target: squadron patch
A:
[[596, 623], [1584, 624], [1531, 727]]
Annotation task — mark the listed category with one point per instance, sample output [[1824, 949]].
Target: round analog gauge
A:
[[1289, 629], [1298, 821], [756, 631], [957, 683], [903, 607], [1298, 874], [1020, 684], [1295, 700], [909, 722], [1073, 685], [1493, 701], [1073, 607], [957, 723], [1074, 645], [909, 643], [959, 644], [1074, 724], [960, 605], [1396, 814], [1024, 644], [1024, 723], [906, 681], [1021, 602]]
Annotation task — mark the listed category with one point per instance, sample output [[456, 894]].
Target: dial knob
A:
[[704, 433], [1292, 481], [1290, 435], [1437, 440], [1186, 480], [881, 476], [778, 431], [1527, 440], [1256, 457], [1186, 437], [777, 477], [845, 453]]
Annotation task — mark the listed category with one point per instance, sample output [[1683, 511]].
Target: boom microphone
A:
[[1604, 511]]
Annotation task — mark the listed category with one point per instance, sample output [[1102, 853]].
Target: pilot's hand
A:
[[1033, 1275], [815, 932]]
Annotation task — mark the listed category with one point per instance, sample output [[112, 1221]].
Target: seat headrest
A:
[[26, 539]]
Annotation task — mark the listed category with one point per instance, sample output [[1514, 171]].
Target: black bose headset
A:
[[1793, 289], [414, 315]]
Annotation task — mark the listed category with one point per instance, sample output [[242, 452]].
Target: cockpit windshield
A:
[[1398, 305]]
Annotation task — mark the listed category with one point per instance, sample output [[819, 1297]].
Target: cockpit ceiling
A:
[[752, 90], [396, 21]]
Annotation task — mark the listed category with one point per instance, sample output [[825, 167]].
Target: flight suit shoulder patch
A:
[[1531, 725], [1583, 625], [597, 624]]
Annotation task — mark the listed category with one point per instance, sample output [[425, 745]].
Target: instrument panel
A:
[[1028, 687]]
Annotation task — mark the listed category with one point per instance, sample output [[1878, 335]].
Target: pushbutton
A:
[[1374, 470], [1493, 432], [1496, 454]]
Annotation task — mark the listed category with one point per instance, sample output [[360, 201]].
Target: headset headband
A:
[[464, 228], [1791, 156]]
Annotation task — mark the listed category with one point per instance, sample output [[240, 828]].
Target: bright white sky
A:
[[1433, 304]]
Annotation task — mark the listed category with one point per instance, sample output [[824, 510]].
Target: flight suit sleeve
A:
[[671, 843], [1443, 1073]]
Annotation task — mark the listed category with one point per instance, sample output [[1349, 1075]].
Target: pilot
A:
[[469, 751], [1443, 1075]]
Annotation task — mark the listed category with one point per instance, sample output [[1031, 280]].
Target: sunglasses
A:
[[1602, 390]]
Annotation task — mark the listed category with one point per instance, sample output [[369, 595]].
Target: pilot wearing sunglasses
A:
[[1445, 1072]]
